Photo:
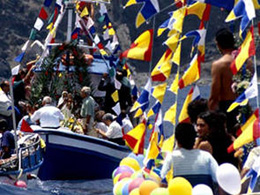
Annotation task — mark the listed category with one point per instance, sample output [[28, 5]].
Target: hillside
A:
[[17, 19]]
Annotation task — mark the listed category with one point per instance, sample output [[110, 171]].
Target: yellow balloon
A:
[[179, 186], [115, 179], [160, 191], [147, 187], [135, 192], [117, 189], [130, 162]]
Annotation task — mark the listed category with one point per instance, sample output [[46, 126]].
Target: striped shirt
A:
[[190, 162]]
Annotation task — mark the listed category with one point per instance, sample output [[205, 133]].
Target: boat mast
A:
[[70, 7]]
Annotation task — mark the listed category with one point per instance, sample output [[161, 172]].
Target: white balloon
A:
[[228, 178], [201, 189]]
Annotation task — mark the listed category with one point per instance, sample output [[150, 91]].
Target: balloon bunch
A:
[[129, 178]]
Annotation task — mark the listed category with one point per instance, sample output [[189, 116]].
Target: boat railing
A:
[[29, 158]]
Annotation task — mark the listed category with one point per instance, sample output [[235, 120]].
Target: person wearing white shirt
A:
[[114, 132], [195, 165], [49, 116]]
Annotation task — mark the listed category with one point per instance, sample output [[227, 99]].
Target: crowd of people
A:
[[203, 141]]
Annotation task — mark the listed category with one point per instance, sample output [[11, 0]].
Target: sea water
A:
[[97, 187]]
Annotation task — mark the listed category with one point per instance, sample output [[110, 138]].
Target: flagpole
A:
[[255, 67], [151, 61]]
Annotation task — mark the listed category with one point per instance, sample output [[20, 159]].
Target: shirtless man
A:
[[221, 93]]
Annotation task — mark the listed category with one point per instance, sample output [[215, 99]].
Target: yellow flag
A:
[[50, 26], [172, 41], [177, 55], [84, 12], [159, 92], [138, 113], [179, 16], [170, 114], [115, 96], [153, 150], [168, 144]]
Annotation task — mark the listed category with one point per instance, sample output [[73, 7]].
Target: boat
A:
[[72, 156], [26, 163]]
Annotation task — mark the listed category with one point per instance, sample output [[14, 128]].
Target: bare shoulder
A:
[[222, 63]]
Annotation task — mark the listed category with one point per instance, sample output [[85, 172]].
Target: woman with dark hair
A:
[[213, 137]]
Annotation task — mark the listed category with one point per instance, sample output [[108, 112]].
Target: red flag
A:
[[43, 14], [25, 127]]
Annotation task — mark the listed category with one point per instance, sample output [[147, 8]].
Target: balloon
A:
[[147, 187], [124, 175], [117, 190], [116, 178], [202, 189], [138, 157], [135, 183], [135, 192], [137, 174], [179, 186], [160, 191], [228, 178], [122, 169], [125, 187], [130, 162]]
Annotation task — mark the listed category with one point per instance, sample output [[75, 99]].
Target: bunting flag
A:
[[199, 40], [168, 144], [250, 132], [115, 96], [103, 9], [162, 70], [75, 33], [172, 41], [43, 14], [38, 24], [84, 12], [170, 114], [47, 3], [174, 86], [245, 10], [250, 92], [25, 127], [149, 8], [165, 25], [256, 4], [19, 58], [193, 94], [226, 4], [176, 21], [159, 91], [15, 70], [141, 49], [199, 9], [117, 109], [246, 50], [253, 174], [192, 74], [135, 138], [144, 97], [156, 139], [177, 55], [155, 109]]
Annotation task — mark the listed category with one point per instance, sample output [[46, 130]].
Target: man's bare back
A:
[[221, 81]]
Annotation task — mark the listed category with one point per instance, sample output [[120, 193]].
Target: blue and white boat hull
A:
[[71, 156]]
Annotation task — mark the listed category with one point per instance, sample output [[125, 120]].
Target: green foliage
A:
[[52, 82]]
